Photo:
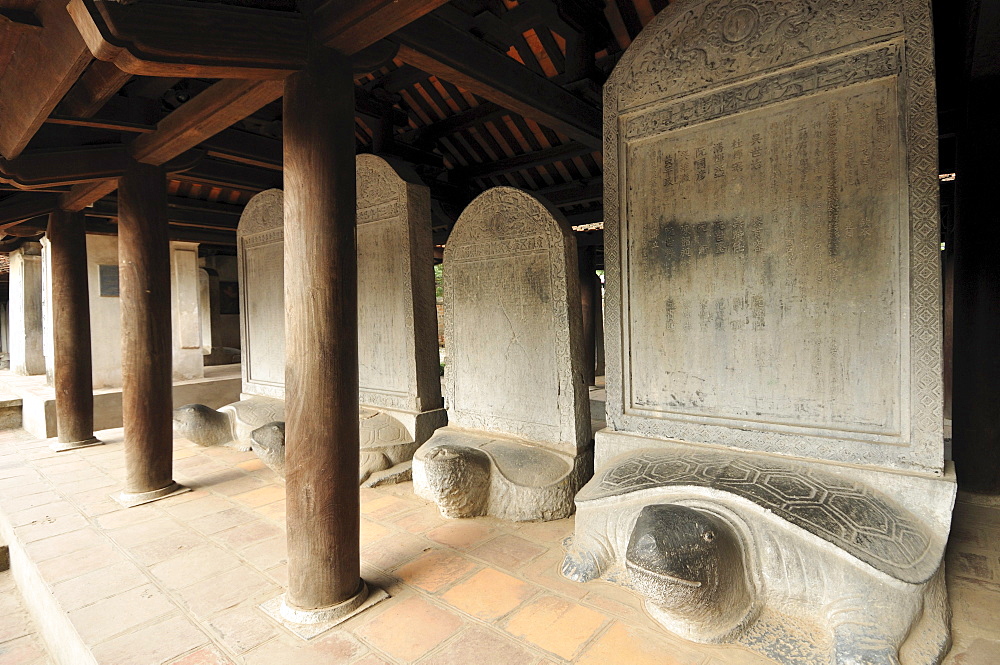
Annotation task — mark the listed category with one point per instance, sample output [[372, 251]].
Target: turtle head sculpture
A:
[[690, 564], [268, 442], [458, 477], [202, 425]]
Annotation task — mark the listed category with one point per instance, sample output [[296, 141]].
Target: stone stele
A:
[[400, 393], [518, 441], [773, 467]]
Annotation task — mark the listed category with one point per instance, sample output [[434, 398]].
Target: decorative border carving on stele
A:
[[384, 197], [262, 223], [528, 225], [753, 55]]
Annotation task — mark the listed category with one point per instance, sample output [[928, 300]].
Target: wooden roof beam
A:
[[41, 71], [351, 25], [15, 209], [99, 83], [209, 113], [426, 137], [439, 48], [77, 165], [185, 38]]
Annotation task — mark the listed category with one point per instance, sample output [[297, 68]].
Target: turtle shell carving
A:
[[378, 429], [855, 518]]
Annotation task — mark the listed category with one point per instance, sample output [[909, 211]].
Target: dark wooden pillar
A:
[[144, 273], [976, 346], [321, 342], [73, 367], [587, 296]]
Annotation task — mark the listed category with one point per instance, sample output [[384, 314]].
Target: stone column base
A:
[[63, 446], [308, 624], [130, 499]]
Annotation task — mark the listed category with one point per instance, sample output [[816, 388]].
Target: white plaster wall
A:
[[105, 313], [25, 312]]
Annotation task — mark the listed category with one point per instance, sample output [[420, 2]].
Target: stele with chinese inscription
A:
[[400, 394], [518, 443], [772, 472]]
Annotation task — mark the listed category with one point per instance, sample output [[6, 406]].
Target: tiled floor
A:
[[19, 640], [178, 581]]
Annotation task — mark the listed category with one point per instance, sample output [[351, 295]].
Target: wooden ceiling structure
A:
[[472, 93]]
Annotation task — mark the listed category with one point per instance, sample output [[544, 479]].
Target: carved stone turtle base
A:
[[788, 558], [257, 423], [469, 473], [231, 425]]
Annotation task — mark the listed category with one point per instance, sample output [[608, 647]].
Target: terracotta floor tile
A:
[[431, 625], [556, 625], [144, 532], [276, 511], [372, 531], [260, 497], [545, 571], [245, 535], [480, 646], [128, 516], [98, 585], [194, 565], [22, 651], [332, 648], [49, 526], [623, 645], [158, 643], [435, 570], [120, 613], [371, 659], [461, 534], [508, 551], [420, 521], [227, 519], [268, 553], [161, 549], [243, 628], [238, 485], [43, 512], [226, 590], [489, 594], [207, 504], [550, 534], [251, 465], [393, 552], [385, 506], [203, 656], [71, 565], [66, 543]]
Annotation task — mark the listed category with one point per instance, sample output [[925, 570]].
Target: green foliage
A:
[[439, 287]]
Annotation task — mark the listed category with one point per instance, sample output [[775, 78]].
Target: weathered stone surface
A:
[[260, 256], [268, 442], [400, 393], [788, 558], [518, 441], [772, 248], [233, 424], [773, 285]]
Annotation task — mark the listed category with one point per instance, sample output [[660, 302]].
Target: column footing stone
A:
[[130, 499], [308, 624], [61, 446]]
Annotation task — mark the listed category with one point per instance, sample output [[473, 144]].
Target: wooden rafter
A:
[[440, 48], [209, 113]]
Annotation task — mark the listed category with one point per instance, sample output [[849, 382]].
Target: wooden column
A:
[[71, 331], [144, 273], [321, 342], [976, 348], [587, 295]]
